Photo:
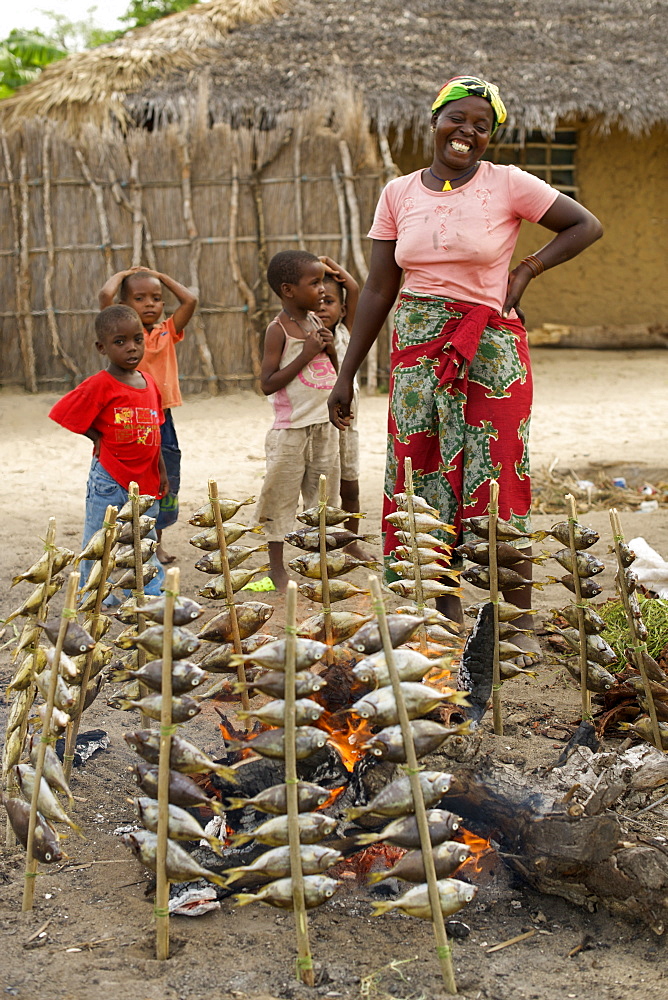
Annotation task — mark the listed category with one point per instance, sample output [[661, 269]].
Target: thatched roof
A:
[[263, 58]]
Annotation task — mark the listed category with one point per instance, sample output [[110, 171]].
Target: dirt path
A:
[[592, 409]]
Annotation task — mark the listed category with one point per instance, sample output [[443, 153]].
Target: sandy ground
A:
[[593, 410]]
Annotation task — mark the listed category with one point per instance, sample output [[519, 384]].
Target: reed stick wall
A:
[[208, 206]]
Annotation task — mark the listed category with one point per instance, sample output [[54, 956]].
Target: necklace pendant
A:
[[447, 186]]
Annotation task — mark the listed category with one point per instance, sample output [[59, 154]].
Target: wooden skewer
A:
[[417, 575], [73, 728], [133, 494], [68, 612], [162, 883], [584, 691], [229, 592], [442, 946], [493, 512], [324, 572], [638, 646], [304, 961], [10, 839]]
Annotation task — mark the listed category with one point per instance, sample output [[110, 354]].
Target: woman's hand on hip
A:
[[518, 279], [339, 402]]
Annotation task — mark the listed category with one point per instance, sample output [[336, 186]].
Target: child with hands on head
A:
[[120, 410], [299, 368], [339, 304], [141, 289]]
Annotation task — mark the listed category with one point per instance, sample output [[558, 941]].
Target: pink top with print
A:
[[303, 401], [459, 243]]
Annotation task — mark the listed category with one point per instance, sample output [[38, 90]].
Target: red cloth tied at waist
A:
[[455, 346]]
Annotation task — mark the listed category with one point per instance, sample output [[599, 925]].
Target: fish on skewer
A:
[[598, 649], [423, 522], [587, 564], [505, 531], [276, 862], [410, 665], [208, 539], [430, 588], [183, 791], [338, 563], [180, 866], [588, 586], [185, 676], [344, 625], [396, 799], [251, 616], [94, 548], [183, 642], [185, 610], [593, 622], [217, 587], [428, 571], [273, 713], [145, 502], [212, 562], [272, 654], [368, 640], [453, 896], [428, 736], [598, 678], [124, 557], [181, 824], [47, 803], [220, 659], [584, 537], [185, 757], [335, 538], [271, 743], [509, 579], [333, 516], [126, 532], [506, 554], [313, 827], [431, 616], [423, 540], [46, 843], [404, 832], [507, 612], [183, 707], [37, 572], [380, 707], [317, 889], [425, 554], [339, 590], [77, 639], [275, 799], [128, 580], [643, 727], [448, 856], [419, 504], [52, 769], [272, 683], [34, 601], [205, 518]]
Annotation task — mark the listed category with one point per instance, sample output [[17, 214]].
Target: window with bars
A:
[[551, 159]]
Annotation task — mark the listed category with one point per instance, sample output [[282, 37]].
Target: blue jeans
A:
[[101, 491], [171, 455]]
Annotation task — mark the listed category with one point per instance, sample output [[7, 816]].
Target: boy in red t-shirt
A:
[[141, 289], [120, 410]]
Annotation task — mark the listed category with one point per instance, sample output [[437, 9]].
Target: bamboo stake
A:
[[162, 883], [138, 591], [102, 219], [304, 960], [343, 221], [493, 512], [56, 343], [69, 612], [324, 572], [229, 592], [638, 646], [358, 253], [26, 330], [73, 730], [246, 291], [417, 574], [137, 225], [299, 206], [49, 544], [196, 324], [413, 771], [584, 691]]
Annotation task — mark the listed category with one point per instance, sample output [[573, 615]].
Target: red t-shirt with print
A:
[[128, 421]]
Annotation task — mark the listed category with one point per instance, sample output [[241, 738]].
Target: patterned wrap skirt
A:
[[460, 407]]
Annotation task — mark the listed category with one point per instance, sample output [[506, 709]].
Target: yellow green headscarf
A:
[[471, 86]]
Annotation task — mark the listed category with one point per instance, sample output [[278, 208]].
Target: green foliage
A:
[[23, 55], [143, 12]]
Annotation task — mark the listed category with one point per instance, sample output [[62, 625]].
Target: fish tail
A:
[[382, 907], [367, 838], [225, 772], [123, 703], [216, 879], [538, 586], [217, 845], [11, 617], [234, 803], [233, 874], [246, 502], [538, 536], [77, 829], [552, 579], [354, 813], [216, 807], [367, 538], [374, 877], [240, 838], [17, 579], [459, 698], [244, 715], [244, 898], [258, 530], [116, 676]]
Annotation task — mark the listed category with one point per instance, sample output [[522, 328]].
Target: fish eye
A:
[[47, 856]]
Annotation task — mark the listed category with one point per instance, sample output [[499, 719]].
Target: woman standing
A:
[[460, 390]]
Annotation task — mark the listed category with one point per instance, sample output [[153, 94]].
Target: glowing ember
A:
[[358, 866], [348, 738]]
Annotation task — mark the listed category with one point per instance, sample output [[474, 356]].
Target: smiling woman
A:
[[460, 385]]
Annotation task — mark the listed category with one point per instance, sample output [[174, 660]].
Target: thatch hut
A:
[[208, 140]]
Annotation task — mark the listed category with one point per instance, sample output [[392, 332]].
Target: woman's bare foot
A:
[[276, 568], [527, 641], [354, 549], [163, 556]]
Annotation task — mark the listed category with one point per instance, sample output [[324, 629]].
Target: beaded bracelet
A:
[[534, 264]]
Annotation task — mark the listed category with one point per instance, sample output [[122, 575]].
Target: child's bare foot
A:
[[164, 557], [276, 568], [528, 641], [280, 580]]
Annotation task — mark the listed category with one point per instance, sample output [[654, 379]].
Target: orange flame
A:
[[479, 848], [358, 866], [348, 739]]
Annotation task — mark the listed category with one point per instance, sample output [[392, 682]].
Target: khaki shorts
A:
[[349, 446], [296, 458]]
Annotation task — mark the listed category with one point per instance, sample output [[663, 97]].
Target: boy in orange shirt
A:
[[141, 289]]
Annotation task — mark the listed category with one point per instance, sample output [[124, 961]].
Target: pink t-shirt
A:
[[459, 243]]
